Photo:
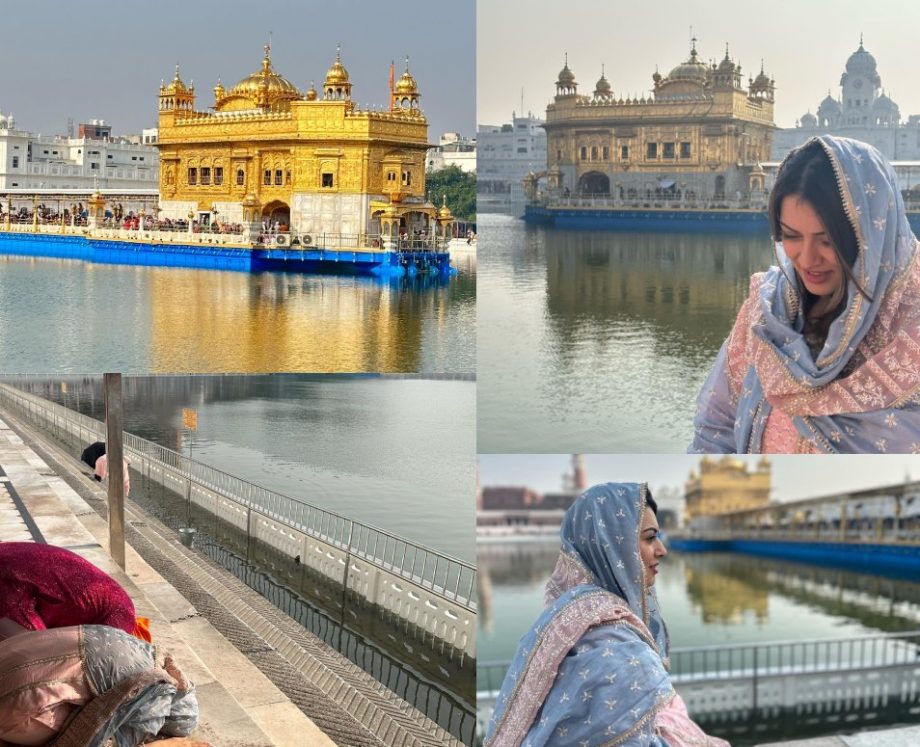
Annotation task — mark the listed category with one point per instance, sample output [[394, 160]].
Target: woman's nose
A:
[[809, 255]]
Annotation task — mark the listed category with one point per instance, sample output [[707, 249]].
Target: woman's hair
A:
[[807, 173], [651, 502]]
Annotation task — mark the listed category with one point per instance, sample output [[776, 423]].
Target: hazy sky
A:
[[804, 46], [105, 61], [794, 476]]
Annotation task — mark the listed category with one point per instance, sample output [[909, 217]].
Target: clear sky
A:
[[105, 61], [794, 476], [804, 47]]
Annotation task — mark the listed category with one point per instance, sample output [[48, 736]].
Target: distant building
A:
[[453, 150], [725, 486], [501, 498], [93, 159], [503, 510], [700, 132], [862, 111], [508, 153]]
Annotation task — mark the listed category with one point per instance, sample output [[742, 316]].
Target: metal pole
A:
[[114, 455], [188, 490], [351, 529], [754, 709]]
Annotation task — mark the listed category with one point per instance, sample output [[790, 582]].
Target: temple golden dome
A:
[[265, 87], [176, 85], [406, 83], [337, 75]]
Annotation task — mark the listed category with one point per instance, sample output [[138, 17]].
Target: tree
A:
[[460, 188]]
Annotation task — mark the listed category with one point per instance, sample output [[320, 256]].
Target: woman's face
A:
[[809, 248], [651, 548]]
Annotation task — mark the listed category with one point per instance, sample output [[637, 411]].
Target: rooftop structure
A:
[[863, 111]]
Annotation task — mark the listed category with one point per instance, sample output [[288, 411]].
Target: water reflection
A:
[[706, 598], [725, 591], [392, 452], [148, 319], [596, 341]]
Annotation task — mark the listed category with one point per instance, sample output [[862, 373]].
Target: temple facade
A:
[[700, 132], [723, 486], [314, 163]]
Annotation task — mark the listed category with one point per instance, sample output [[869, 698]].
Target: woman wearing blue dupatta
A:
[[592, 670], [825, 353]]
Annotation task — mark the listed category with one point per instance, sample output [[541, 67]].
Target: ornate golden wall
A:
[[700, 120], [265, 139]]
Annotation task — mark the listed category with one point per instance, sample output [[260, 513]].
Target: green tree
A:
[[460, 188]]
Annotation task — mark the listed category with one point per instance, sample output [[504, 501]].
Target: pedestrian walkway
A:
[[904, 737], [239, 706], [290, 685]]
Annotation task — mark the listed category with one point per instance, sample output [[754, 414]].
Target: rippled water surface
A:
[[706, 598], [391, 452], [67, 316], [596, 341]]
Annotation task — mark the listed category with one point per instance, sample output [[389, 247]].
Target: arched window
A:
[[240, 177]]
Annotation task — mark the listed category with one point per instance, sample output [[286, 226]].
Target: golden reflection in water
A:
[[225, 321], [691, 283], [724, 597]]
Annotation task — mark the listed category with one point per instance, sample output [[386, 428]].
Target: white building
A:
[[508, 153], [453, 150], [862, 111], [94, 159]]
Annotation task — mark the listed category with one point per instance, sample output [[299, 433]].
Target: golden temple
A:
[[315, 163], [724, 486], [700, 133]]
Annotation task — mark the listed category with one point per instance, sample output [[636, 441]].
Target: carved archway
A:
[[594, 183], [279, 212]]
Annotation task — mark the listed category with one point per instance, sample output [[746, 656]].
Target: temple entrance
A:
[[594, 183], [277, 212]]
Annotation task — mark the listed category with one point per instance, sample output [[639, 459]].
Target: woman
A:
[[825, 353], [82, 686], [43, 586], [593, 669]]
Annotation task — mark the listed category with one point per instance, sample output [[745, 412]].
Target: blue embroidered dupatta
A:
[[862, 392], [592, 669]]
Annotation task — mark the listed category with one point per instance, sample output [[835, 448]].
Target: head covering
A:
[[590, 671], [859, 393], [600, 546]]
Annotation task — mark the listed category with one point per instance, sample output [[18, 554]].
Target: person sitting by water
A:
[[592, 670], [101, 471], [42, 586], [90, 686], [825, 353]]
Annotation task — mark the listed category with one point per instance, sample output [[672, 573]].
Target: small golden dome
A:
[[265, 82], [337, 74], [311, 93], [566, 76], [176, 85], [406, 83], [219, 90]]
